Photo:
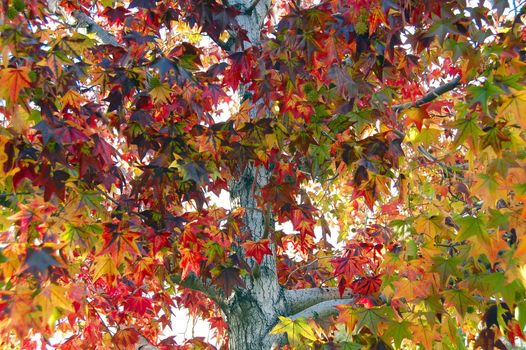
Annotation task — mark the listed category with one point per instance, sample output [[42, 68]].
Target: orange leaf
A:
[[13, 80], [416, 115], [126, 339]]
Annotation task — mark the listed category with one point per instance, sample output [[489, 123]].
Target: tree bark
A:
[[253, 311]]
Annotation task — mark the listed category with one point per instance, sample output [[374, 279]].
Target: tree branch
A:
[[321, 310], [83, 20], [301, 299], [193, 282], [430, 96]]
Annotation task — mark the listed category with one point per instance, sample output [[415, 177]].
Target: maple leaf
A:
[[104, 266], [160, 92], [118, 243], [296, 330], [483, 93], [371, 317], [431, 225], [138, 304], [446, 268], [53, 296], [513, 107], [412, 289], [257, 250], [367, 285], [459, 299], [103, 149], [397, 331], [126, 339], [228, 279], [13, 81], [72, 99], [416, 115], [190, 262], [471, 226], [467, 129]]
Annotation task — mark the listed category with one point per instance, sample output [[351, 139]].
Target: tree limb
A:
[[301, 299], [193, 282], [321, 310], [430, 96], [83, 20]]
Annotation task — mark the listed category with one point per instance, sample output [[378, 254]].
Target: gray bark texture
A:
[[253, 311]]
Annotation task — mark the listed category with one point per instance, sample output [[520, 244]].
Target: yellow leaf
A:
[[429, 135], [431, 225], [491, 246], [12, 252], [411, 290], [161, 93], [295, 329], [513, 107], [20, 120], [104, 266], [53, 299], [72, 99], [423, 334], [489, 188]]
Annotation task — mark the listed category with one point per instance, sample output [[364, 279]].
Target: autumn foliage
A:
[[394, 133]]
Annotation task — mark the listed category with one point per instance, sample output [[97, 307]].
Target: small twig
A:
[[101, 320], [111, 199], [328, 279], [305, 266], [427, 155], [300, 268], [329, 136]]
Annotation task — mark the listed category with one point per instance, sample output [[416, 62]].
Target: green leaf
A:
[[428, 136], [467, 128], [483, 93], [520, 313], [446, 268], [486, 283], [397, 331], [459, 299], [471, 226], [371, 317]]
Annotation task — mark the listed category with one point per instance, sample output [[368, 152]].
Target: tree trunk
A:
[[253, 311], [252, 314]]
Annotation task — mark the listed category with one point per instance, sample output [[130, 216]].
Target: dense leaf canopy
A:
[[393, 133]]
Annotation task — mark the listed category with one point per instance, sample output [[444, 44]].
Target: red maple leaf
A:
[[138, 305], [257, 250]]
